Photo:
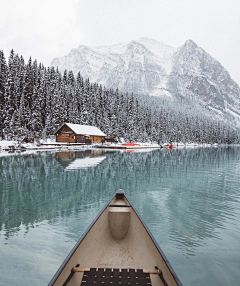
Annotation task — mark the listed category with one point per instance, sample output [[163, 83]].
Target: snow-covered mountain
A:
[[195, 74], [141, 66], [146, 66]]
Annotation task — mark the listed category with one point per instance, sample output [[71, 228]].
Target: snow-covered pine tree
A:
[[50, 79], [28, 94], [9, 105], [79, 96], [58, 110], [35, 122], [3, 75]]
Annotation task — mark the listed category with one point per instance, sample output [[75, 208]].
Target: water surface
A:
[[189, 199]]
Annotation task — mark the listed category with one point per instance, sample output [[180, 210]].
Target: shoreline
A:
[[14, 147]]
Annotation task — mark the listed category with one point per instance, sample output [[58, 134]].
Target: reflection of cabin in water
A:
[[80, 159], [75, 133]]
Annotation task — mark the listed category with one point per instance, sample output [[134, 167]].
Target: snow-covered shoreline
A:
[[12, 147], [6, 146]]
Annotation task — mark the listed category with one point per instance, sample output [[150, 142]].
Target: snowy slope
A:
[[196, 74], [146, 66], [140, 66]]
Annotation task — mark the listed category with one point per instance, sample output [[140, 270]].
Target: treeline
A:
[[35, 100]]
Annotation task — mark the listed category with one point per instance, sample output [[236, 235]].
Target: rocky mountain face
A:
[[149, 67], [195, 74], [141, 67]]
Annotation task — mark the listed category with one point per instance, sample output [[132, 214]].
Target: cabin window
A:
[[65, 135]]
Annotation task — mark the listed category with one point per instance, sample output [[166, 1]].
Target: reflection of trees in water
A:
[[36, 187], [199, 194]]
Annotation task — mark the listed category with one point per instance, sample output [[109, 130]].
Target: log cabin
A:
[[76, 133]]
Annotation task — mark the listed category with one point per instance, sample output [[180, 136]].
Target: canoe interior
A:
[[117, 239]]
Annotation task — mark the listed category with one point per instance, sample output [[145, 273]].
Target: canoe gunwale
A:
[[158, 247], [119, 192], [51, 283]]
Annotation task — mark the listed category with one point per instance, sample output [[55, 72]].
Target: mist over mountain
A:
[[148, 67]]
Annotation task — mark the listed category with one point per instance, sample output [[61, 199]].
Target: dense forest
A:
[[35, 100]]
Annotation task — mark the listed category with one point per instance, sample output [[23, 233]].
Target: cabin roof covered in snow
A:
[[83, 129]]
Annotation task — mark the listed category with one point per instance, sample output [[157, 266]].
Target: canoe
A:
[[117, 249], [130, 144]]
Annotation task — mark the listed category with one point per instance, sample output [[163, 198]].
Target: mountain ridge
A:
[[146, 66]]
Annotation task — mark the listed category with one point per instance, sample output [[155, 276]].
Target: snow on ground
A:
[[5, 143], [30, 148]]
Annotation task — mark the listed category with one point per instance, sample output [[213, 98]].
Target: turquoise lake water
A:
[[189, 199]]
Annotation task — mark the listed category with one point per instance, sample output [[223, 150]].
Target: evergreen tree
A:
[[3, 75], [28, 94], [9, 105]]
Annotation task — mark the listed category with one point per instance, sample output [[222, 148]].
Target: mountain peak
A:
[[190, 43], [148, 40], [136, 47], [151, 43]]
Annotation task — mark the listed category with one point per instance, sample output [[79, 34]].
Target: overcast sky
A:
[[51, 28]]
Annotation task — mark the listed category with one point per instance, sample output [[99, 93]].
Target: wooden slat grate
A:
[[115, 277]]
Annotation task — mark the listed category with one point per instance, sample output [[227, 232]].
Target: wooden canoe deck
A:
[[116, 277]]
